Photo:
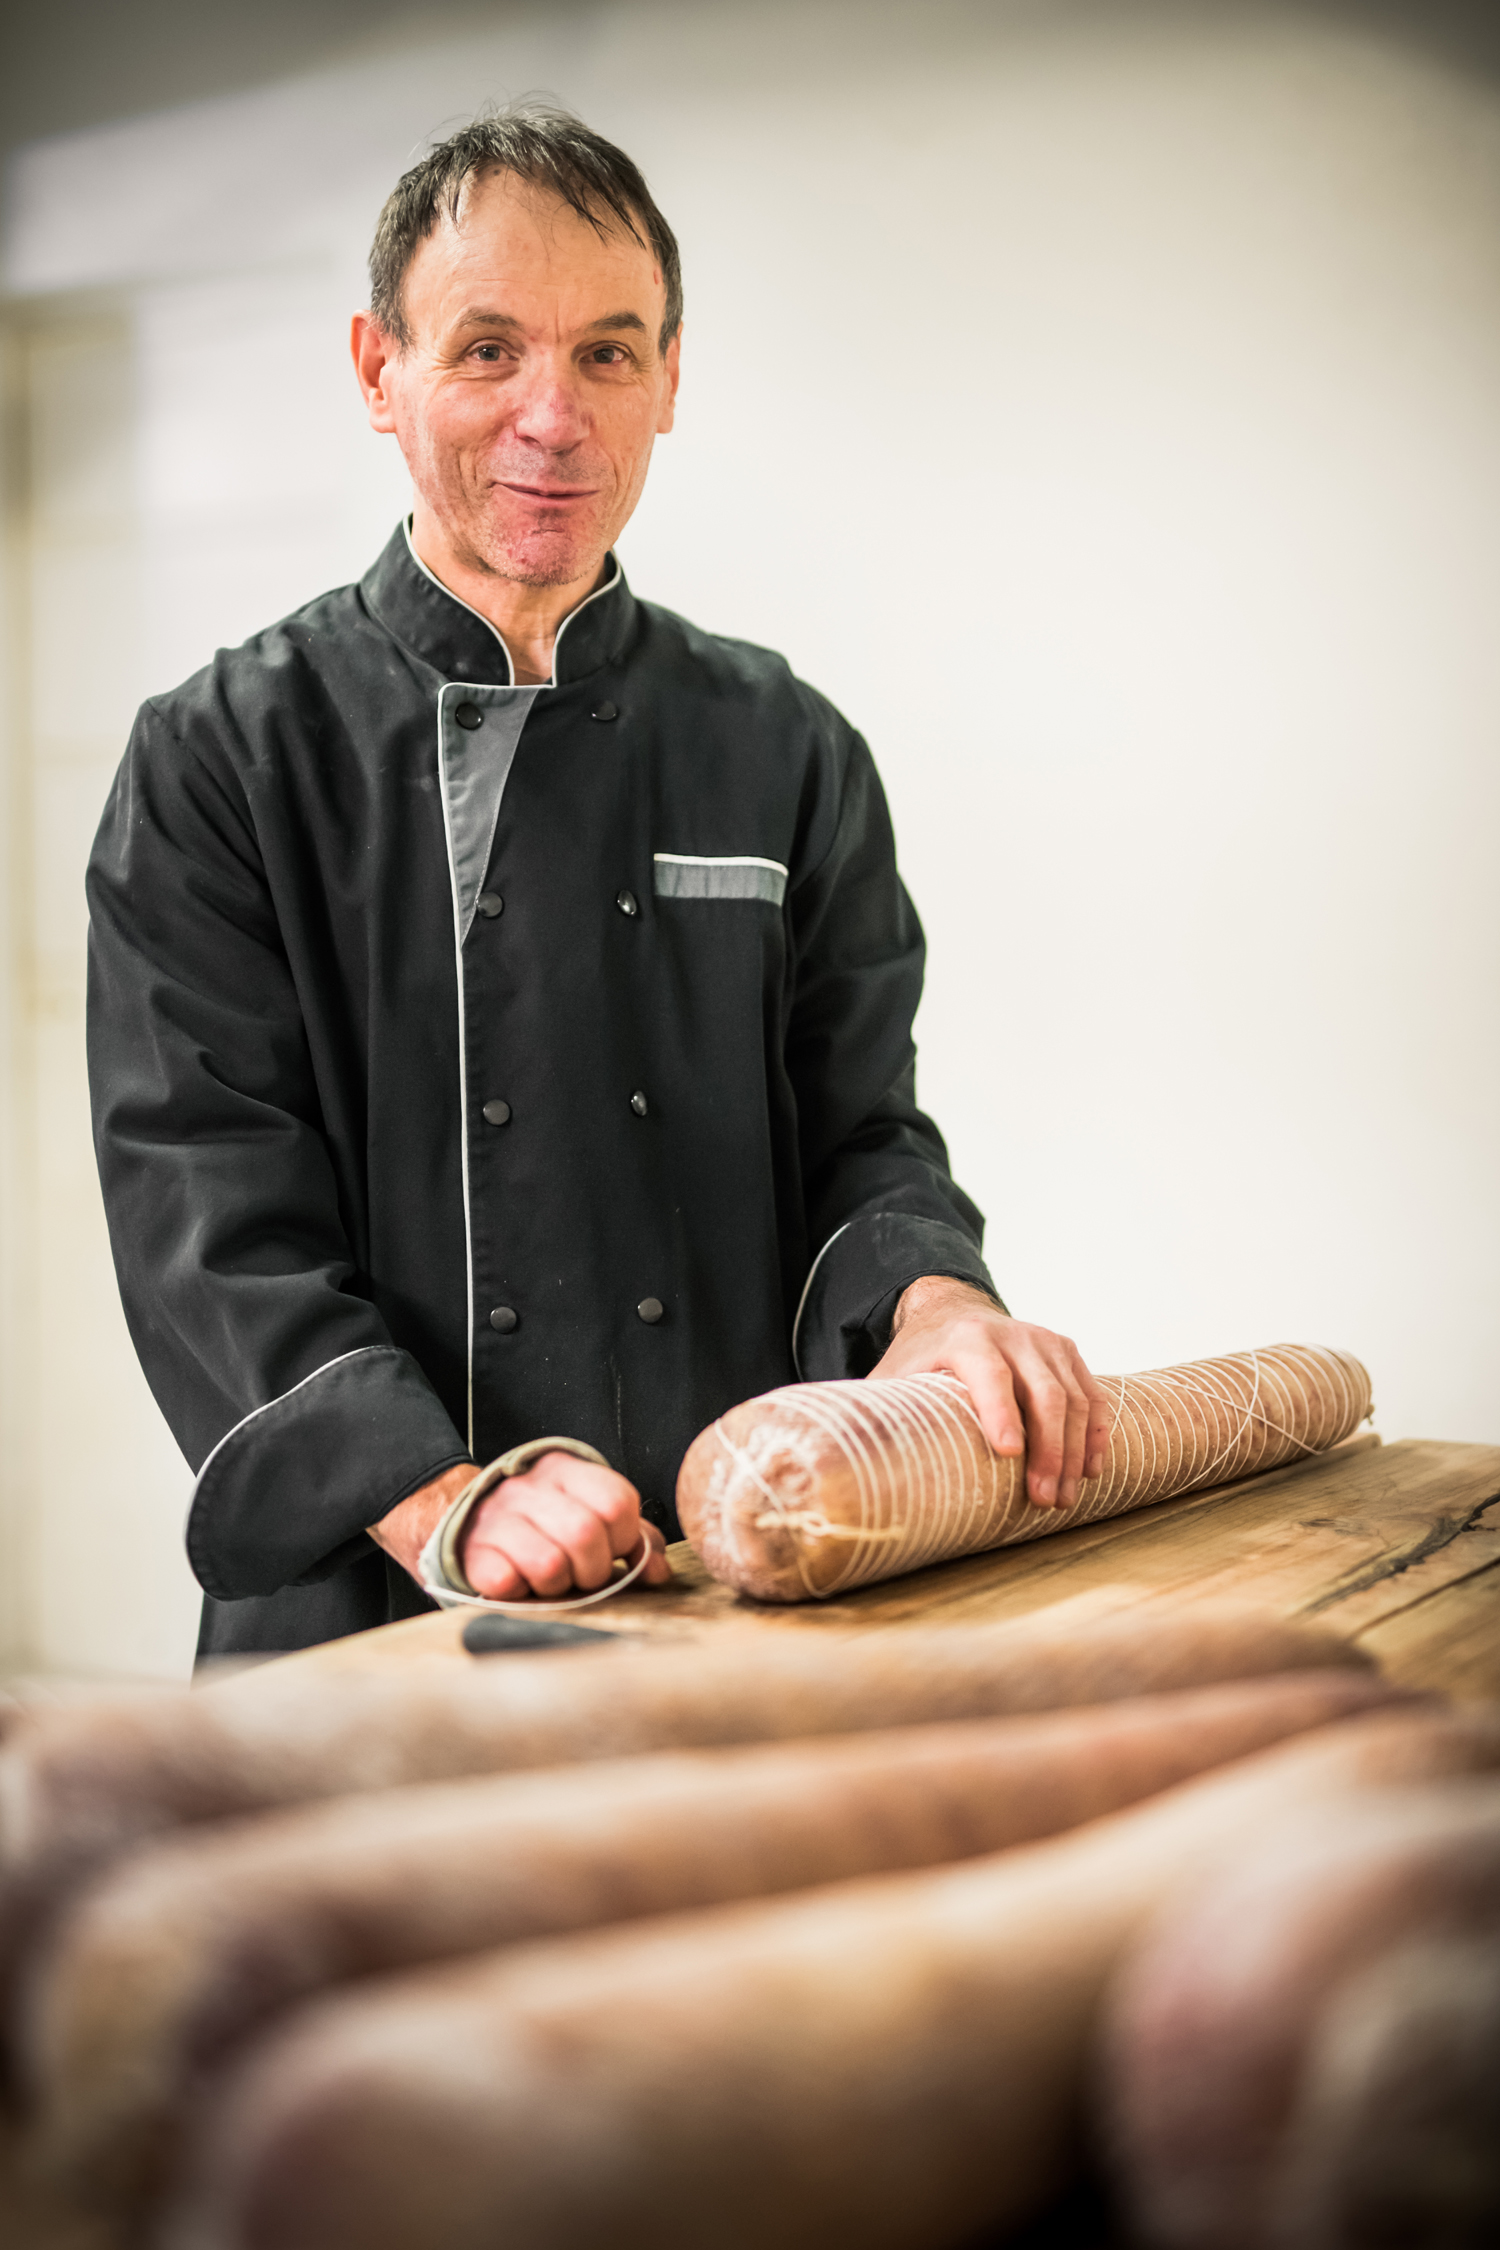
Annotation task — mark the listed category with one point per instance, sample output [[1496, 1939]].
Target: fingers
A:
[[1026, 1393], [506, 1558], [607, 1496], [492, 1573], [990, 1384], [965, 1347], [1031, 1391], [556, 1528], [1101, 1425], [658, 1571], [1075, 1427], [1046, 1400], [1057, 1408]]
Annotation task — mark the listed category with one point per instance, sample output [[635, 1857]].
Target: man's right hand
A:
[[552, 1531]]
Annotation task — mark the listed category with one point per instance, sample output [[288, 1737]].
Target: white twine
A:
[[927, 1486]]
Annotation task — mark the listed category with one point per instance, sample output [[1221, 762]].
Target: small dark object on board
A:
[[493, 1634]]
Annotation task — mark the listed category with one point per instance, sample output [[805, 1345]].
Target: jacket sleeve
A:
[[882, 1207], [278, 1379]]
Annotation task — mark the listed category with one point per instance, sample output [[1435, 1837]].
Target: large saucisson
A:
[[896, 2062], [810, 1491], [1268, 2078], [1397, 2131], [163, 1969], [80, 1783]]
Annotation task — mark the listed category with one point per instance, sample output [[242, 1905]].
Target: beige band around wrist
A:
[[512, 1464]]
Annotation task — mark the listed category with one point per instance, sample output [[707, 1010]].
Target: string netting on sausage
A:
[[925, 1485]]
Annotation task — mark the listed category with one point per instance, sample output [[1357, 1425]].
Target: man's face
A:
[[529, 398]]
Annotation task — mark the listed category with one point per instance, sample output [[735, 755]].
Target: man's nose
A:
[[550, 410]]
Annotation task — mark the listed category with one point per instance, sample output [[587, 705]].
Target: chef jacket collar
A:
[[455, 640]]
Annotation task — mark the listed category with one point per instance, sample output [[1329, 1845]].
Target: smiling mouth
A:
[[552, 496]]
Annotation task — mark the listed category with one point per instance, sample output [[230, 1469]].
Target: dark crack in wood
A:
[[1401, 1559]]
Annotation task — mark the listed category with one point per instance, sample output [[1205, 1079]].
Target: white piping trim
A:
[[510, 663], [458, 923], [432, 577], [279, 1400], [697, 859], [597, 595], [463, 1051], [802, 1300]]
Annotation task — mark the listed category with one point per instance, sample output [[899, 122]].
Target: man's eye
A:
[[489, 353], [610, 355]]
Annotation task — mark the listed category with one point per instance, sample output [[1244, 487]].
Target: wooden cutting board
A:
[[1396, 1545]]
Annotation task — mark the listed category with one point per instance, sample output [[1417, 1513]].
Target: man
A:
[[501, 992]]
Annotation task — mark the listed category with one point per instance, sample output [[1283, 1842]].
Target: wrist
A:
[[405, 1529], [936, 1292]]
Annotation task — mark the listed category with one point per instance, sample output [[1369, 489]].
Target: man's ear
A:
[[673, 366], [374, 355]]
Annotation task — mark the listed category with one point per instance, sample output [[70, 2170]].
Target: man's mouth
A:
[[550, 495]]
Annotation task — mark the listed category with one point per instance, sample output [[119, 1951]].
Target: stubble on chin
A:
[[559, 571], [533, 557]]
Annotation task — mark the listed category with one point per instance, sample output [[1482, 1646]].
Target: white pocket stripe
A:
[[695, 859], [683, 875]]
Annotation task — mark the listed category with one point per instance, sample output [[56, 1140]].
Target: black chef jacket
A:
[[473, 1062]]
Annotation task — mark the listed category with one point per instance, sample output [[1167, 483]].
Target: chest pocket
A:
[[685, 875]]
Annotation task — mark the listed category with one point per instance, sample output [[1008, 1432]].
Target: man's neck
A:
[[527, 618]]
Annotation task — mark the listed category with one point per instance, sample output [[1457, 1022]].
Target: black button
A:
[[504, 1318], [490, 903], [497, 1113], [627, 902], [469, 716], [605, 711], [650, 1310], [638, 1104]]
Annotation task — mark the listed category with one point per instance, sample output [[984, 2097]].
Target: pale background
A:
[[1102, 404]]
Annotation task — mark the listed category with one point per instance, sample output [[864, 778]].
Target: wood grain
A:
[[1448, 1641], [1365, 1539]]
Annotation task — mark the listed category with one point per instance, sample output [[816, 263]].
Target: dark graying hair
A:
[[547, 148]]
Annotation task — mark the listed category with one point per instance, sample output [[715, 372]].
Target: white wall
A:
[[1105, 409]]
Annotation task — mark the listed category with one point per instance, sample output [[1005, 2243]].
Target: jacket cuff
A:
[[843, 1323], [286, 1495]]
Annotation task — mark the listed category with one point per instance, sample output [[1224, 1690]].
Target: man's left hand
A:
[[1031, 1390]]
